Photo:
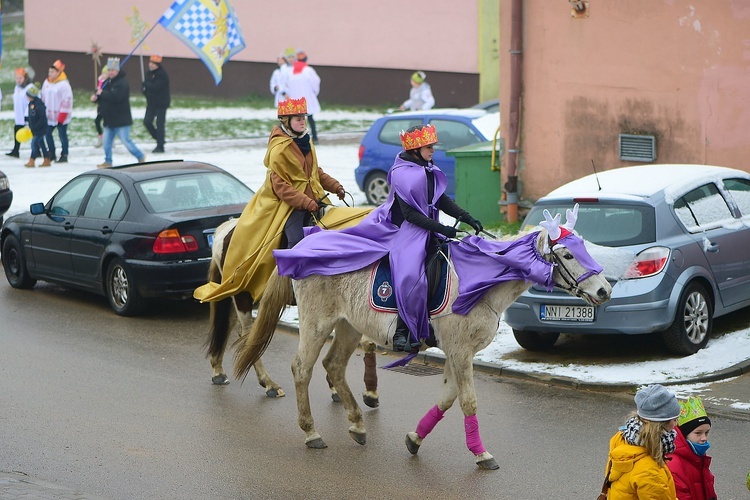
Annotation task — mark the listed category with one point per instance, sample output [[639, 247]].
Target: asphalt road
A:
[[123, 408]]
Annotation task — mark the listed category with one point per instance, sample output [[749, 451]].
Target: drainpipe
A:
[[516, 42]]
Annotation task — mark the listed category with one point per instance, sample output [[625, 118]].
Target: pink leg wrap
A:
[[473, 440], [429, 421]]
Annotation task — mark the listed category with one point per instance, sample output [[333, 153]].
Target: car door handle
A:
[[712, 247], [106, 230], [68, 226]]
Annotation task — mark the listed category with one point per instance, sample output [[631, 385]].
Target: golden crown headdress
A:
[[419, 138], [293, 107]]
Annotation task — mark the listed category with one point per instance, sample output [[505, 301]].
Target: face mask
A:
[[699, 449]]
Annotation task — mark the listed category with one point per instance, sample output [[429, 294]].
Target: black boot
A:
[[402, 340], [401, 337]]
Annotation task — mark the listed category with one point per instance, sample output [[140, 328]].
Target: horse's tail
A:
[[221, 318], [250, 347]]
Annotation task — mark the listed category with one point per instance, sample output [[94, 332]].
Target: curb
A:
[[571, 383]]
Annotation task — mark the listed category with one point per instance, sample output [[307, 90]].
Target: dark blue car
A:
[[6, 195], [381, 144]]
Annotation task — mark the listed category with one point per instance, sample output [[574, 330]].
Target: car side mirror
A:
[[37, 208]]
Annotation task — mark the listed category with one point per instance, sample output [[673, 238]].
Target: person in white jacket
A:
[[420, 95], [20, 109], [58, 97], [279, 77], [303, 81]]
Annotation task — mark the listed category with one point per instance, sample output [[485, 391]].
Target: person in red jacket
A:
[[689, 464]]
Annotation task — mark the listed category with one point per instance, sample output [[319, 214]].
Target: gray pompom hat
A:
[[656, 403]]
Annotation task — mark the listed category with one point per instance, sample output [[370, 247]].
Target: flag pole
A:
[[136, 46], [139, 43]]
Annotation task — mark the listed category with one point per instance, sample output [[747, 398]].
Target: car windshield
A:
[[608, 224], [193, 192]]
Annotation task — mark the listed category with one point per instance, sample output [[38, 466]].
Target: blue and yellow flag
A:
[[209, 27]]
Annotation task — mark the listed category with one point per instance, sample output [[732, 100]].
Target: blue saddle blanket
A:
[[383, 298]]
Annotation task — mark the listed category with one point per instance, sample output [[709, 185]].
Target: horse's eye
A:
[[568, 256]]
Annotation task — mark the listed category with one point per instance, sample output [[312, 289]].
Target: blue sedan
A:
[[381, 144]]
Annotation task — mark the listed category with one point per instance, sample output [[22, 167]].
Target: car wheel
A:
[[535, 341], [121, 290], [692, 324], [376, 188], [14, 264]]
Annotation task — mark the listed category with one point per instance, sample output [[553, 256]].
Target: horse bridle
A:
[[568, 277]]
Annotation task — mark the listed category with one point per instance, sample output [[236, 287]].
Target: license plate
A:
[[567, 313], [210, 238]]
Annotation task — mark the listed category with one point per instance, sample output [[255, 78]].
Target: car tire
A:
[[693, 322], [14, 264], [376, 188], [122, 291], [535, 341]]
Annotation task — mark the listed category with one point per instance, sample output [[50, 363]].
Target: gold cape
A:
[[249, 261]]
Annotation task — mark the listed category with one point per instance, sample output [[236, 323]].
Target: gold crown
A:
[[691, 409], [293, 107], [419, 138]]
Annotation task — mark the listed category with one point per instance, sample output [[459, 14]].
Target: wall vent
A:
[[637, 147]]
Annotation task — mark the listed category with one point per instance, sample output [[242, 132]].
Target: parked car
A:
[[129, 233], [491, 106], [687, 228], [381, 144], [6, 195]]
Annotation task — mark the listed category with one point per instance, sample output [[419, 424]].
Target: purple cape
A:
[[336, 252]]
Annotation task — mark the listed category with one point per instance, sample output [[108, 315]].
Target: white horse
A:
[[341, 302], [225, 314]]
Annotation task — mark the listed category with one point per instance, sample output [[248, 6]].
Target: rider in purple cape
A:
[[404, 228]]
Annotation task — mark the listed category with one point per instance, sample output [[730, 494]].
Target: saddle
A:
[[383, 298]]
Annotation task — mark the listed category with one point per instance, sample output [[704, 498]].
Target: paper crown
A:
[[293, 107], [155, 59], [419, 138], [113, 63], [58, 65], [691, 409], [20, 72]]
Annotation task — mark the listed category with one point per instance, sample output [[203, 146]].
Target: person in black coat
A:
[[38, 126], [156, 89], [114, 105]]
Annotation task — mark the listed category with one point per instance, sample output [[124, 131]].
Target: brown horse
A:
[[345, 307], [227, 313]]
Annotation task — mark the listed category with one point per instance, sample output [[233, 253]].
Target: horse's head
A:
[[575, 270]]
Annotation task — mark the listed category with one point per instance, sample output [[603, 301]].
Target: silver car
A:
[[683, 236]]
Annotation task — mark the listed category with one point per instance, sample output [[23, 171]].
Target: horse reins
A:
[[570, 280]]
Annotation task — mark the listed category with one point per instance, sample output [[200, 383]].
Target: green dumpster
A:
[[478, 186]]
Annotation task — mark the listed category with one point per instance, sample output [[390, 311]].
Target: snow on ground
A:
[[244, 159]]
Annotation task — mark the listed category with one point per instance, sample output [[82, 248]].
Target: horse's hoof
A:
[[360, 438], [370, 401], [411, 444], [316, 444], [275, 393], [335, 397], [489, 464], [220, 379]]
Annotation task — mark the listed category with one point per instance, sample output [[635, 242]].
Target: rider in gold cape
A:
[[290, 198]]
